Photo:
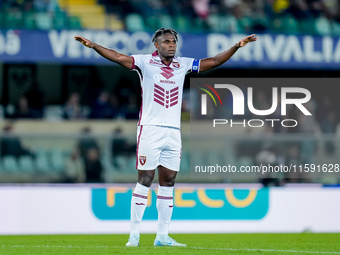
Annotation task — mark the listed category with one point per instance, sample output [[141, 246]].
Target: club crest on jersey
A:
[[166, 98], [142, 160], [176, 65]]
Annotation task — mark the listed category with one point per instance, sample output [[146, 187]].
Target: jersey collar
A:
[[157, 58]]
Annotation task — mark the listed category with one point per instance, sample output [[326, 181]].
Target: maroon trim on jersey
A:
[[174, 60], [137, 195], [159, 87], [174, 94], [141, 108], [133, 64], [173, 99], [174, 89], [159, 102], [166, 198], [159, 97], [174, 103], [159, 93], [141, 128]]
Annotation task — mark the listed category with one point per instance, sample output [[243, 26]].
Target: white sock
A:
[[138, 205], [165, 204]]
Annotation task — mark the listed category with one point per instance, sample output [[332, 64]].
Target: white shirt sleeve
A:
[[193, 65], [137, 62]]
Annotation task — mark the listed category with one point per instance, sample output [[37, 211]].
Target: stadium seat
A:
[[134, 22], [182, 24], [10, 164], [197, 158], [307, 26], [165, 21], [245, 25], [214, 22], [152, 23], [44, 21], [41, 163], [57, 160], [26, 164], [74, 22], [185, 161], [290, 25], [323, 26], [13, 19], [131, 163], [29, 21], [60, 20]]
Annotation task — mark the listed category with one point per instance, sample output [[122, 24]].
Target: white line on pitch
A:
[[196, 248], [265, 250]]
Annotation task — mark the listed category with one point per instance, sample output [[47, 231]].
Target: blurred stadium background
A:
[[69, 116]]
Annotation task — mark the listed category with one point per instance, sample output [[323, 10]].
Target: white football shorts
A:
[[158, 145]]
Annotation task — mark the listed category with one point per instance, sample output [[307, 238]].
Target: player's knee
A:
[[168, 182], [145, 180]]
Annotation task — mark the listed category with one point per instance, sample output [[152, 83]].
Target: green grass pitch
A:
[[248, 244]]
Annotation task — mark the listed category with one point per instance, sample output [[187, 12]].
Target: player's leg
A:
[[147, 159], [138, 203], [167, 171], [165, 201], [165, 204]]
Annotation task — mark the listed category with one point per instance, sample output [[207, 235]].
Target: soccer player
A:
[[158, 135]]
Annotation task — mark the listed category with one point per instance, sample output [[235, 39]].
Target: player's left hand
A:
[[250, 38]]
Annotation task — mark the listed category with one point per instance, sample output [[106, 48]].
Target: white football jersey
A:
[[162, 88]]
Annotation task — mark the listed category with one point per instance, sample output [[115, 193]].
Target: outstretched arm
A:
[[112, 55], [219, 59]]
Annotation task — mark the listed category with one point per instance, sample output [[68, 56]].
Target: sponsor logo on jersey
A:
[[155, 62], [166, 98], [166, 81], [142, 160]]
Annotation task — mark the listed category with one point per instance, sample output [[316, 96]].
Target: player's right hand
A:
[[84, 41]]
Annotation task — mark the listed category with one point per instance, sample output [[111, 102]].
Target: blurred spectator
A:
[[201, 8], [102, 108], [86, 142], [118, 7], [294, 158], [35, 98], [328, 125], [75, 169], [115, 106], [73, 109], [131, 109], [268, 156], [10, 145], [308, 125], [23, 111], [120, 145], [44, 5], [93, 166]]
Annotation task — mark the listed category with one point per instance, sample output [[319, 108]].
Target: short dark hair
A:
[[163, 31]]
